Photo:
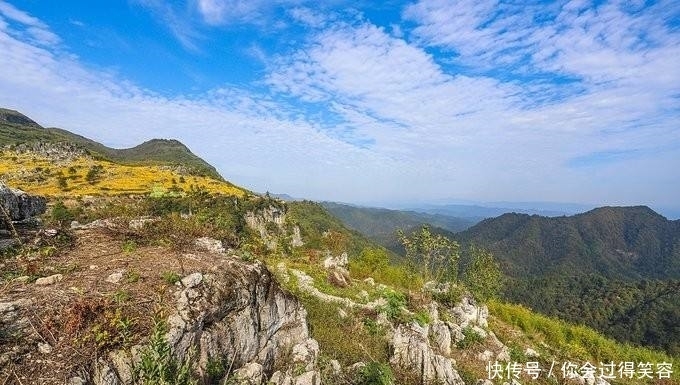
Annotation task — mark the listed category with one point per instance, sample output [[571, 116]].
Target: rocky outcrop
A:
[[18, 205], [270, 223], [467, 312], [264, 221], [412, 352], [237, 314]]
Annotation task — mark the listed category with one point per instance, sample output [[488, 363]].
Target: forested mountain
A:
[[616, 242], [616, 269]]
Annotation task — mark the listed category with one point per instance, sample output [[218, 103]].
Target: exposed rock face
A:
[[413, 352], [258, 221], [18, 205], [238, 314], [467, 312]]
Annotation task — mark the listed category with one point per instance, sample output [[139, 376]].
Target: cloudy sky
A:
[[406, 101]]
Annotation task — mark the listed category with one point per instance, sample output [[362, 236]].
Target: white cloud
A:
[[360, 113], [32, 28], [176, 22]]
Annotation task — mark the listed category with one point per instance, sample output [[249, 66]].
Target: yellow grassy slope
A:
[[41, 175]]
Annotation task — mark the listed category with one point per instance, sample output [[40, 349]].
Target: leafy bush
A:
[[376, 373], [157, 365], [170, 277], [471, 338], [61, 214], [395, 305]]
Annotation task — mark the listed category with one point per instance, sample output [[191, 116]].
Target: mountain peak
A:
[[16, 117]]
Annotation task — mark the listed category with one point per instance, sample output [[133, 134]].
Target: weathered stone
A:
[[192, 280], [138, 224], [332, 262], [238, 311], [441, 336], [210, 245], [306, 353], [309, 378], [485, 356], [335, 366], [503, 355], [51, 280], [249, 374], [467, 312], [296, 239], [44, 348], [339, 277], [456, 332], [258, 220], [18, 205], [114, 277], [413, 353], [280, 378], [529, 352]]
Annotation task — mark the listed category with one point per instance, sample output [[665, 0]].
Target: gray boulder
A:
[[18, 205]]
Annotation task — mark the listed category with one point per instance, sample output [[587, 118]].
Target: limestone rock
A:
[[413, 353], [238, 313], [332, 262], [19, 206], [249, 374], [441, 337], [467, 312], [138, 224], [51, 280], [192, 280], [114, 277], [44, 348], [309, 378], [306, 353], [210, 245], [339, 277], [485, 356], [296, 240]]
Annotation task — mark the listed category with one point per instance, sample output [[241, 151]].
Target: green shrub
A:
[[376, 373], [157, 365], [61, 214], [396, 302], [129, 246], [471, 338], [170, 277]]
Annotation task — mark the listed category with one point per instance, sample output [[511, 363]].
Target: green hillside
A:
[[616, 242], [615, 269], [16, 128]]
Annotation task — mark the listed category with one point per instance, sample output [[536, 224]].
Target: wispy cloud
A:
[[476, 100], [177, 21], [27, 26]]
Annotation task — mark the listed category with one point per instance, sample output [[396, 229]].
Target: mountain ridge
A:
[[17, 128]]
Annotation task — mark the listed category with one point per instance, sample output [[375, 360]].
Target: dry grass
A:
[[83, 316], [41, 175]]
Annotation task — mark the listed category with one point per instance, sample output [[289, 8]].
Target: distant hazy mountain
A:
[[380, 225], [493, 210]]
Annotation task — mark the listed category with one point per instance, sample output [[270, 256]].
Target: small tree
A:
[[483, 275], [433, 255]]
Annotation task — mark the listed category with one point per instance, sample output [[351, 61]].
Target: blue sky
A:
[[396, 103]]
